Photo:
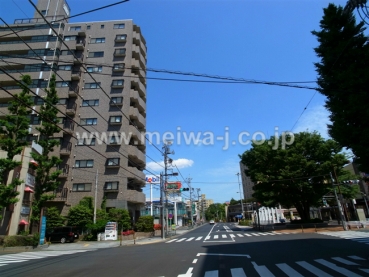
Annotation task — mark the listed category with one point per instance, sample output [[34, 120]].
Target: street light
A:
[[238, 176]]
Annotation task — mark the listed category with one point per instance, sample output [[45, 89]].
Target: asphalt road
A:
[[211, 250]]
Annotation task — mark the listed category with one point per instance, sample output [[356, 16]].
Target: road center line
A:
[[230, 255]]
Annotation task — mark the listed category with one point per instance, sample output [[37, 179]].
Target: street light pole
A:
[[238, 176], [339, 206]]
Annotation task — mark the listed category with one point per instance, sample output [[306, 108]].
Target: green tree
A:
[[234, 202], [215, 211], [13, 131], [297, 176], [145, 224], [121, 216], [54, 218], [46, 176], [343, 77], [80, 216]]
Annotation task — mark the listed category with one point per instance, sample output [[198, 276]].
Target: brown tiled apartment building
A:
[[101, 83]]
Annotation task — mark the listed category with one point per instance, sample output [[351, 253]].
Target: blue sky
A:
[[253, 40]]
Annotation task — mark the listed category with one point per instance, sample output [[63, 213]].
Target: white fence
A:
[[269, 215]]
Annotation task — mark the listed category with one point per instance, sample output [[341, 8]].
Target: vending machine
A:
[[111, 231]]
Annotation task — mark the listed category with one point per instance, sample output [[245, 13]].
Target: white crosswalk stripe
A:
[[224, 236], [316, 267], [351, 235], [27, 256]]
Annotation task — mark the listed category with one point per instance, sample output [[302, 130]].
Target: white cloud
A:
[[314, 119], [180, 163]]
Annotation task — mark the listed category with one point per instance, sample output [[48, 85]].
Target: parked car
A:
[[62, 234], [211, 222]]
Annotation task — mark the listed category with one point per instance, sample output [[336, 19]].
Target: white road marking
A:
[[344, 261], [289, 270], [238, 272], [262, 270], [194, 261], [199, 238], [190, 239], [224, 236], [313, 269], [213, 273], [181, 240], [337, 268]]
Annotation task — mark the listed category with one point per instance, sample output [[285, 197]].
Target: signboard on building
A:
[[173, 186], [30, 180], [151, 179], [25, 210]]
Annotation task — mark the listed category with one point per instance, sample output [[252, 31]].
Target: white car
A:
[[211, 222]]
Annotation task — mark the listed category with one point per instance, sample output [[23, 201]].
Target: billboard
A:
[[151, 179], [173, 186]]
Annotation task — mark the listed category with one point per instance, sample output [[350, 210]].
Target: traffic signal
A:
[[185, 189]]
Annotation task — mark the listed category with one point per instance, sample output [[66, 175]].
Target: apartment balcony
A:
[[140, 103], [65, 148], [60, 195], [137, 55], [80, 44], [64, 171], [137, 70], [78, 58], [139, 120], [76, 75], [135, 155], [134, 173], [71, 109], [73, 92], [136, 135], [68, 127], [138, 86], [134, 196]]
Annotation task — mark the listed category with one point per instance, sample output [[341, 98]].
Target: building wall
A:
[[74, 113]]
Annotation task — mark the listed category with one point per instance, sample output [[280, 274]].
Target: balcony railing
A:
[[68, 126], [65, 148], [60, 194], [71, 109], [64, 170]]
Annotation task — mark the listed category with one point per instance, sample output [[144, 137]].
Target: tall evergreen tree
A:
[[46, 176], [13, 131], [343, 77]]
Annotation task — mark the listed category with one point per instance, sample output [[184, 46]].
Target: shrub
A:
[[145, 224], [11, 241], [245, 222], [127, 233]]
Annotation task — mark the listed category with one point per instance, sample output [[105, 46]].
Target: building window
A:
[[84, 163], [88, 27], [66, 67], [69, 38], [86, 141], [120, 52], [92, 85], [111, 185], [62, 101], [102, 26], [62, 84], [98, 40], [118, 66], [93, 102], [119, 26], [66, 52], [116, 100], [35, 120], [114, 140], [117, 83], [113, 162], [75, 28], [94, 69], [88, 121], [38, 101], [120, 37], [44, 12], [81, 187], [115, 119], [96, 54]]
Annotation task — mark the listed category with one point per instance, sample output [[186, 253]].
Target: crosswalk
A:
[[361, 237], [227, 236], [27, 256], [351, 266]]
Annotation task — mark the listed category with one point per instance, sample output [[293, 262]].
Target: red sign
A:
[[173, 186]]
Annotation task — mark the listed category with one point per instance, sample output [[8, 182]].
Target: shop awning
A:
[[23, 222], [28, 189], [34, 162]]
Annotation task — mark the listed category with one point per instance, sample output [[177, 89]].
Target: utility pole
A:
[[162, 206], [189, 185], [339, 205], [238, 176], [96, 181]]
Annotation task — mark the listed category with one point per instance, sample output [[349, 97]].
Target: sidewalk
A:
[[92, 245]]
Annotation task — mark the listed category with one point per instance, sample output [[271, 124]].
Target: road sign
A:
[[170, 216]]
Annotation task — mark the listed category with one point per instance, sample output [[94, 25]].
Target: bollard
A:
[[302, 229]]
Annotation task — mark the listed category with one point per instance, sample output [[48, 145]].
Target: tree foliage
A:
[[54, 219], [13, 131], [216, 212], [145, 224], [80, 216], [46, 176], [343, 77], [298, 175], [121, 216]]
